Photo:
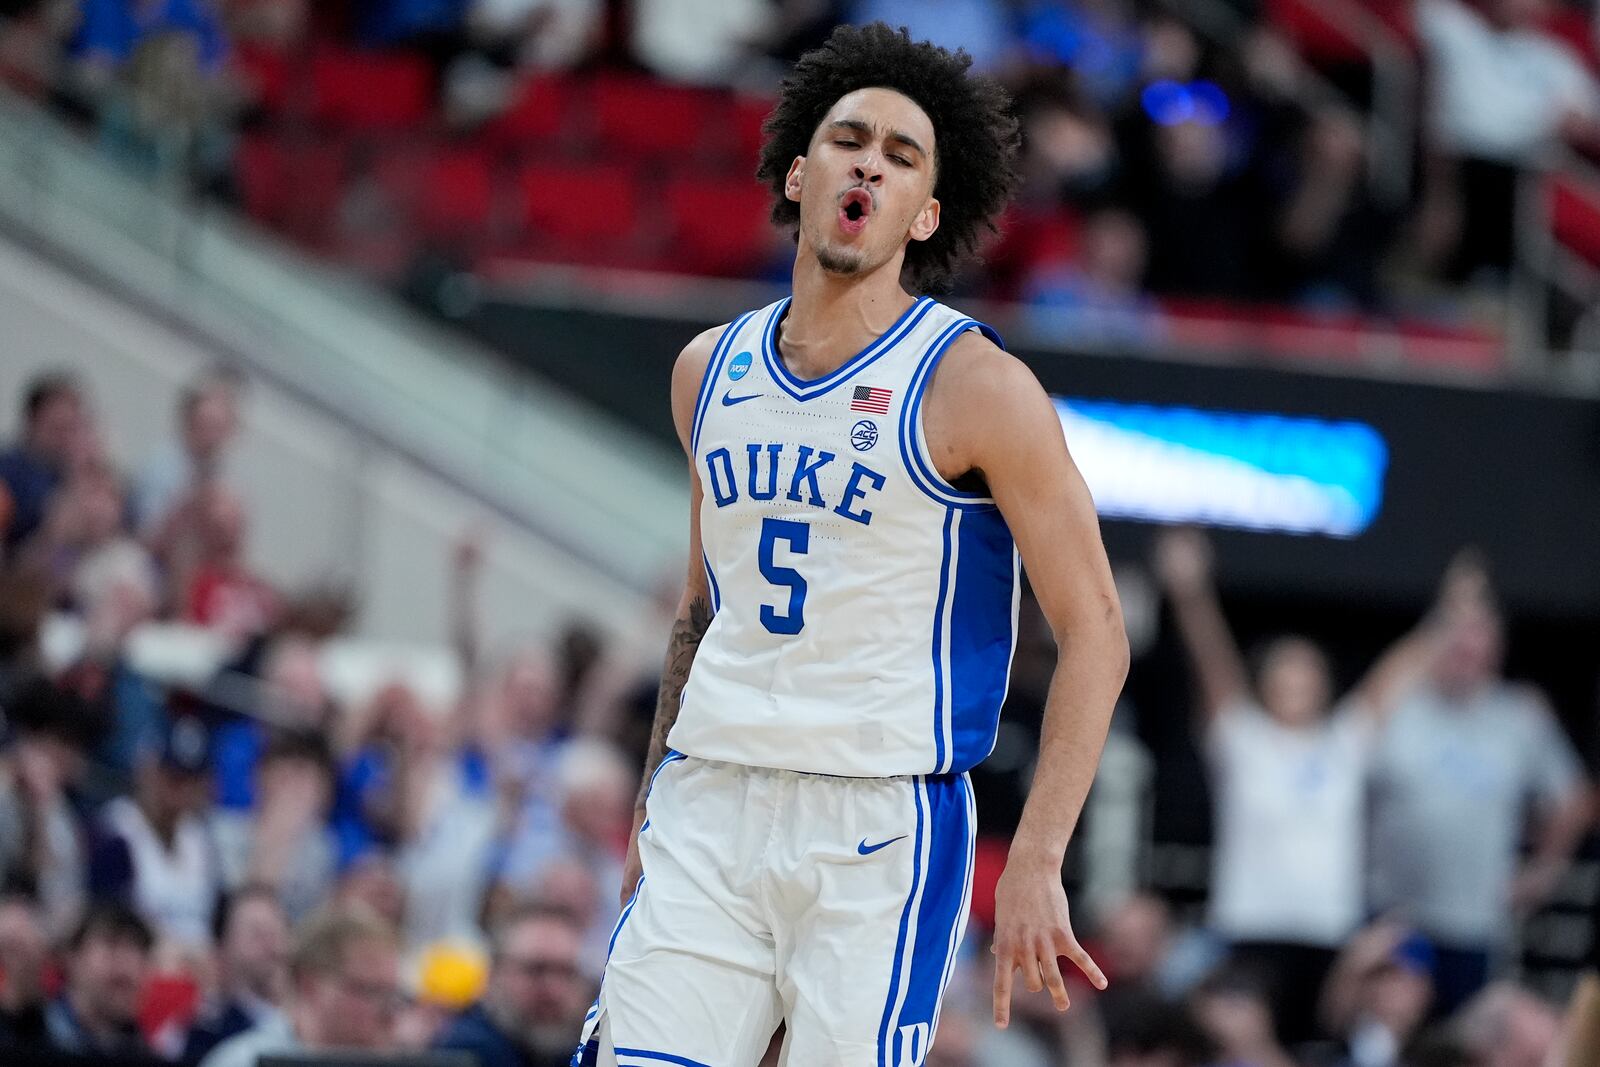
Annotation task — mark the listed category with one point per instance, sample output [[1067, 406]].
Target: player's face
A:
[[865, 185]]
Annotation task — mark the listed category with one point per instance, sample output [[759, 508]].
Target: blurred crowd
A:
[[208, 872], [1209, 154]]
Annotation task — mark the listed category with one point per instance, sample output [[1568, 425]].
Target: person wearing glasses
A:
[[345, 977], [535, 998]]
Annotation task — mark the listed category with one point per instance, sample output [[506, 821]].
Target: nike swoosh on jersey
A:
[[867, 850], [728, 399]]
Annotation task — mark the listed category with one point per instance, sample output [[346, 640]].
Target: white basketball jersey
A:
[[865, 609]]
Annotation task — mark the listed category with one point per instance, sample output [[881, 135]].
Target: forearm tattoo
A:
[[687, 630]]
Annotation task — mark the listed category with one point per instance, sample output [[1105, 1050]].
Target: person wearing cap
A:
[[1379, 994], [154, 850], [536, 995]]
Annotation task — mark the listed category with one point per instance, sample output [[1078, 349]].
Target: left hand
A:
[[1032, 930]]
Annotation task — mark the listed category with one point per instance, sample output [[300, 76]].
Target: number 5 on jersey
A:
[[798, 535]]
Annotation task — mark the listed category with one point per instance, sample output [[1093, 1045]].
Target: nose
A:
[[869, 170]]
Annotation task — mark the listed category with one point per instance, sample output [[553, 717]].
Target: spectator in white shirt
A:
[[154, 850], [208, 422], [1288, 773], [1463, 758]]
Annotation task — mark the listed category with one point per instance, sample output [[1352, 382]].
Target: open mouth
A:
[[854, 209]]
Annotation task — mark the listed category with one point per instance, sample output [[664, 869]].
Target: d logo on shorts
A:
[[913, 1044]]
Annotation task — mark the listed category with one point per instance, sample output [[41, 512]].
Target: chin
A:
[[842, 261]]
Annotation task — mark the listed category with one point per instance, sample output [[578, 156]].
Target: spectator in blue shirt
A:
[[394, 22], [535, 999], [53, 420], [111, 30]]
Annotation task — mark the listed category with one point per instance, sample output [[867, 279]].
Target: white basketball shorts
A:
[[834, 905]]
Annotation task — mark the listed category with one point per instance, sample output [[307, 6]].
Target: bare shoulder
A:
[[977, 382], [696, 355], [979, 372], [688, 372], [982, 399]]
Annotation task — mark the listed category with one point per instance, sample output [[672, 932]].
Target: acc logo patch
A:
[[739, 366], [863, 435]]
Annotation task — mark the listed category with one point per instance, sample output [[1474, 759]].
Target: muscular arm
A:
[[988, 415], [694, 618], [694, 606]]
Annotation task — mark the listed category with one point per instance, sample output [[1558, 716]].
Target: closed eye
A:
[[904, 162], [846, 144]]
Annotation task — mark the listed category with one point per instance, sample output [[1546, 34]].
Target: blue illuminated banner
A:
[[1253, 471]]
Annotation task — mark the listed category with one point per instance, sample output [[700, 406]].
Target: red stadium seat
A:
[[296, 187], [267, 74], [371, 90], [458, 192], [718, 226], [1322, 37], [641, 117], [261, 171], [1575, 216], [749, 112], [446, 192], [537, 113], [577, 205]]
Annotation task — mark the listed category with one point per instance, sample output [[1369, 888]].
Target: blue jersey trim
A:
[[905, 923], [966, 896], [939, 915], [711, 579], [655, 1057], [920, 469], [802, 390], [702, 402], [939, 695], [982, 634], [672, 756]]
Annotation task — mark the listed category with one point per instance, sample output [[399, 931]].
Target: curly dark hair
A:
[[976, 135]]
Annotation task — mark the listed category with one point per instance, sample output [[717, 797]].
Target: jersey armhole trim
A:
[[913, 445], [713, 369]]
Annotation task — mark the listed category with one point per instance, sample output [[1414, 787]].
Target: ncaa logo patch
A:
[[863, 435], [739, 366]]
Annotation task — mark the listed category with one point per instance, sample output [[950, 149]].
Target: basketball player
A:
[[865, 466]]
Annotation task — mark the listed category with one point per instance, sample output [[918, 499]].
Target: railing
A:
[[1548, 266], [609, 497]]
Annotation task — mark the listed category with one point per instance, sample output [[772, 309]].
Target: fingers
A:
[[1067, 945], [1031, 967], [1052, 980], [1040, 971], [1003, 965]]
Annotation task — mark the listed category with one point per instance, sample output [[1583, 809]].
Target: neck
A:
[[501, 1018], [163, 824], [245, 989], [303, 1021], [104, 1031], [832, 316]]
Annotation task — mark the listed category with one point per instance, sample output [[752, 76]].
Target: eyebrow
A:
[[861, 127]]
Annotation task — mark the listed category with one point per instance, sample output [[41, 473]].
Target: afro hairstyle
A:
[[976, 135]]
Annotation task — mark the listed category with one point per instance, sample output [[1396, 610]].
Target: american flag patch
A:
[[871, 398]]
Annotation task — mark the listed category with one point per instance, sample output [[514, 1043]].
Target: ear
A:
[[796, 178], [926, 222]]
